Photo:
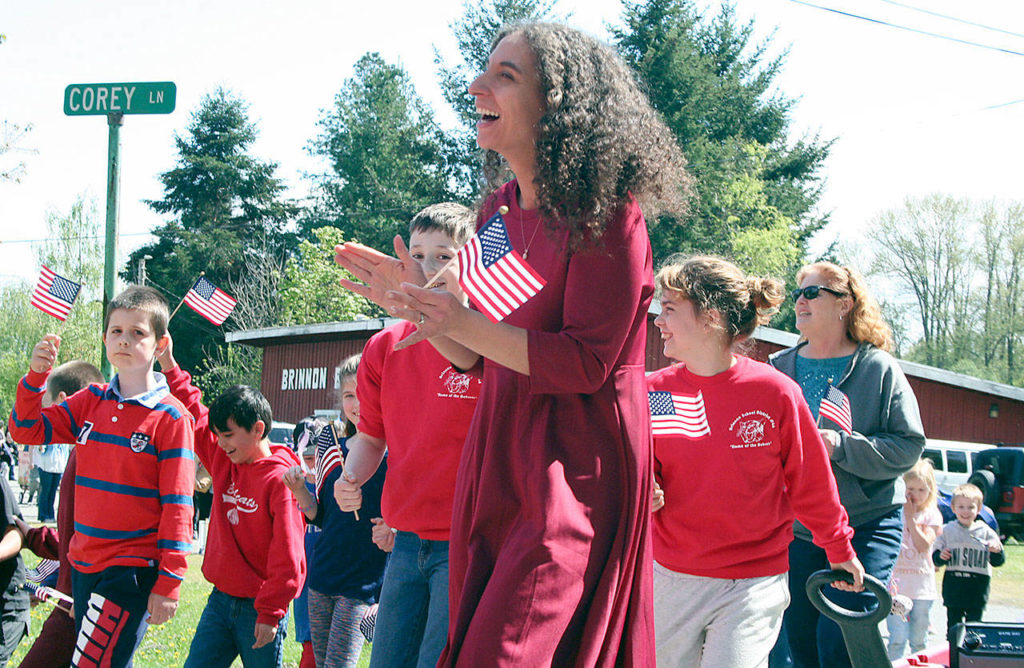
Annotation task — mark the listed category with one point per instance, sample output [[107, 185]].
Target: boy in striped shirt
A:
[[133, 488]]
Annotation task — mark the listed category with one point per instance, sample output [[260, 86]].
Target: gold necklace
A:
[[522, 230]]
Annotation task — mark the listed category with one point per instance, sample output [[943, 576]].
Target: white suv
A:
[[953, 460]]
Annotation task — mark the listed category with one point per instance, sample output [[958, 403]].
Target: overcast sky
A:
[[911, 114]]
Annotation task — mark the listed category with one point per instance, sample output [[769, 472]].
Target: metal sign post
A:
[[114, 100]]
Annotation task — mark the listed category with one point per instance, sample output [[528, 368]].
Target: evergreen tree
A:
[[754, 187], [225, 205], [387, 157]]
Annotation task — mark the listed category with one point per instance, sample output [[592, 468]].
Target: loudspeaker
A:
[[987, 645]]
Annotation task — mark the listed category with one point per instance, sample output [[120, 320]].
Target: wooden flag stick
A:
[[201, 274], [342, 458]]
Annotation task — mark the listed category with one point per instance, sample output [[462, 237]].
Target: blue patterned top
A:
[[814, 375]]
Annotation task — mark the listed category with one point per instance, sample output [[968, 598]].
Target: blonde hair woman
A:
[[869, 420]]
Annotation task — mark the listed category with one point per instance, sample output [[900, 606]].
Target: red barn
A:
[[300, 375]]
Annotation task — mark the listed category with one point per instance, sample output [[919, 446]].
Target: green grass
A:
[[167, 645], [1008, 580]]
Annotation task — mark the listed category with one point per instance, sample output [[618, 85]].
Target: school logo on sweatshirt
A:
[[750, 430], [139, 441], [457, 385], [238, 504]]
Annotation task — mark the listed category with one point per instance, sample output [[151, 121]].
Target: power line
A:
[[91, 236], [953, 18], [909, 29]]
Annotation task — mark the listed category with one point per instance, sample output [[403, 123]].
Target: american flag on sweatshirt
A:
[[495, 275], [836, 407], [328, 455], [54, 294], [678, 414], [209, 301]]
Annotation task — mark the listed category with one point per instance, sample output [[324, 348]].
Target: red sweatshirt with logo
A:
[[255, 545], [421, 407], [731, 494]]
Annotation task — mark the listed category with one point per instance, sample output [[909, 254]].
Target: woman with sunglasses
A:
[[869, 420]]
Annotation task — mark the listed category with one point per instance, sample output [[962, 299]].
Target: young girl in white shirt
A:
[[914, 573]]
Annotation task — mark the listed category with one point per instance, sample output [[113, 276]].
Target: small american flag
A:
[[836, 407], [678, 415], [495, 275], [54, 294], [328, 455], [209, 301]]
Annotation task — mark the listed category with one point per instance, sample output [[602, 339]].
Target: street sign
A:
[[153, 97]]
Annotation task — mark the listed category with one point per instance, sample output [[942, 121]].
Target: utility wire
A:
[[91, 236], [909, 29], [953, 18]]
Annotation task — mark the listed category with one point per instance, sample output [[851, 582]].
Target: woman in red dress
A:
[[550, 553]]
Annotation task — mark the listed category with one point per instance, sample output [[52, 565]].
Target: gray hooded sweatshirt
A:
[[887, 438]]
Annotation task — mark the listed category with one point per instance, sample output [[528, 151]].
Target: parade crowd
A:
[[511, 490]]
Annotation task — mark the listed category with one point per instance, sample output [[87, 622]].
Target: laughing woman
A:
[[551, 541], [844, 346]]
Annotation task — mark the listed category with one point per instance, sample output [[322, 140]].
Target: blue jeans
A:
[[412, 618], [226, 630], [914, 628], [814, 639], [48, 484]]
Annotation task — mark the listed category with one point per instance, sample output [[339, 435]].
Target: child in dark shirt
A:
[[341, 589]]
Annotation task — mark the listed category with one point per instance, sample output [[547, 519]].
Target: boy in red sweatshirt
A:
[[254, 554], [133, 484]]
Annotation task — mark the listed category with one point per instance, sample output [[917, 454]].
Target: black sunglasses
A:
[[812, 292]]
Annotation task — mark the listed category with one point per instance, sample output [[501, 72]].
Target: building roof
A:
[[308, 333], [923, 371], [344, 330]]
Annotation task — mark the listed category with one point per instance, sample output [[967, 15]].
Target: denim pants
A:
[[914, 629], [226, 630], [48, 484], [412, 618], [814, 639]]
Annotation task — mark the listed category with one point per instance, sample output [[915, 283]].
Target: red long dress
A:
[[550, 553]]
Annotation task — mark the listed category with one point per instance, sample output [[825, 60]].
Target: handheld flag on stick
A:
[[209, 301], [51, 596], [678, 415], [55, 294], [836, 407], [328, 458], [495, 275]]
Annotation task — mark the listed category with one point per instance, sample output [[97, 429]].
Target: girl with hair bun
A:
[[737, 455], [871, 426]]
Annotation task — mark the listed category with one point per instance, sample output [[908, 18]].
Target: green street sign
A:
[[154, 97]]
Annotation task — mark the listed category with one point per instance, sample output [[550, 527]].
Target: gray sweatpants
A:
[[716, 623]]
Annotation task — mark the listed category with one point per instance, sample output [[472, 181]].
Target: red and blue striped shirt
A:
[[135, 478]]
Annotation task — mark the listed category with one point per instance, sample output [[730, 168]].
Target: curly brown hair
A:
[[864, 323], [712, 283], [599, 140]]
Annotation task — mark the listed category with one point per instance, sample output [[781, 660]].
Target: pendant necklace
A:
[[522, 229]]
